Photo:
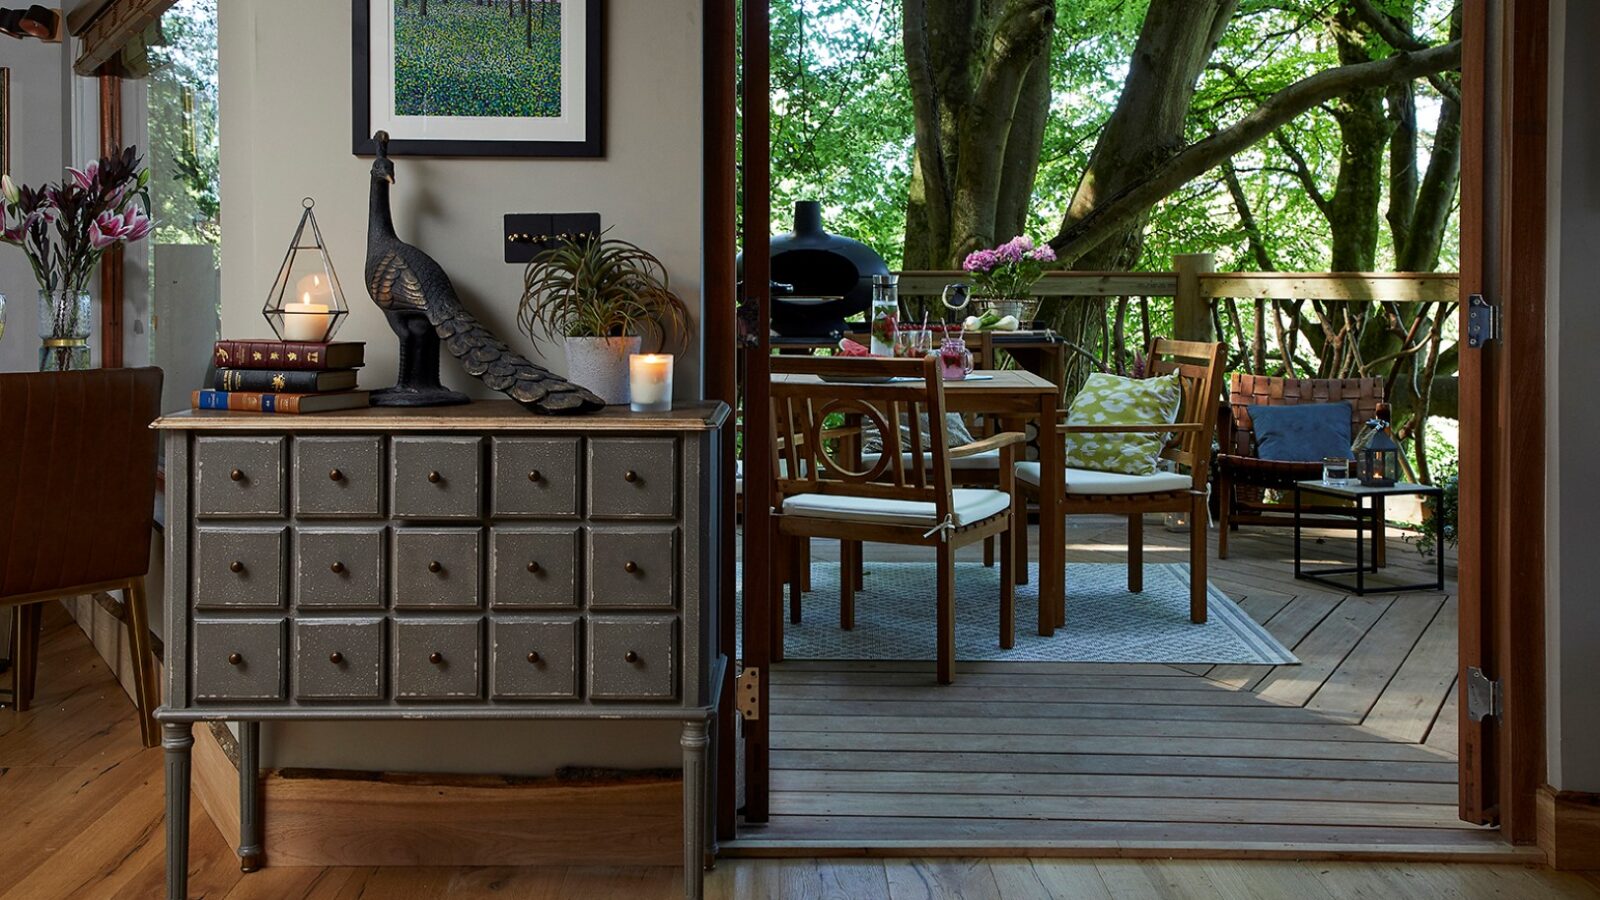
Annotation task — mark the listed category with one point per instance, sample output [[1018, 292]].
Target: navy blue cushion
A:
[[1303, 433]]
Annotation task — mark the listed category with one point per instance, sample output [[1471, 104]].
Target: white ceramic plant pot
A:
[[601, 365]]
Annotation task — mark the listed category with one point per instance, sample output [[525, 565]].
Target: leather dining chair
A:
[[77, 508]]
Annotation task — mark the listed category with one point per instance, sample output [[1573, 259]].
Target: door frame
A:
[[1501, 516]]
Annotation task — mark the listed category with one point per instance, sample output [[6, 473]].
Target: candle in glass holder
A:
[[306, 321], [650, 382]]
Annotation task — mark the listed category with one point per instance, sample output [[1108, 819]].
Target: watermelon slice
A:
[[848, 347]]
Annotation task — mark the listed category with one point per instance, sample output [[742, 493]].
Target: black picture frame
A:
[[591, 146]]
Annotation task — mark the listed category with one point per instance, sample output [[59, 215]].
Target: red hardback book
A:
[[288, 355]]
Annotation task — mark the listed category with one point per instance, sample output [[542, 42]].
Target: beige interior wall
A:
[[286, 134], [1572, 616], [38, 77]]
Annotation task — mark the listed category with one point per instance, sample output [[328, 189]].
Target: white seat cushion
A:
[[1089, 481], [988, 460], [969, 505]]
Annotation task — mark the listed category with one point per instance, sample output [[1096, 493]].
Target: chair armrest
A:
[[1131, 429], [992, 442]]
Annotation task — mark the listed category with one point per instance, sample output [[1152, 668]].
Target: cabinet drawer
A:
[[633, 478], [437, 568], [338, 659], [533, 568], [438, 659], [535, 659], [241, 659], [238, 568], [238, 477], [435, 478], [633, 657], [534, 477], [338, 568], [633, 568], [340, 477]]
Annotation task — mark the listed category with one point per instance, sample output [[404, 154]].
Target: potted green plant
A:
[[602, 298]]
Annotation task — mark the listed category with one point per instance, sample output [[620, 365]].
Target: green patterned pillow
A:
[[1114, 400]]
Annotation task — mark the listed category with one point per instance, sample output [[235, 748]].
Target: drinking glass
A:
[[1335, 470], [912, 343]]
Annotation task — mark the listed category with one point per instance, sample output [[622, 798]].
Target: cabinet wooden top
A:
[[482, 415]]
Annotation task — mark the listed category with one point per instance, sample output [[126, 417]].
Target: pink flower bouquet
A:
[[1009, 270], [65, 228]]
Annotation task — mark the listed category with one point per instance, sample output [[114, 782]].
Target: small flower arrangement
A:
[[1009, 270], [65, 228]]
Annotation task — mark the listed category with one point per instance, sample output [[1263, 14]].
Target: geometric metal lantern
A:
[[1377, 455], [306, 303]]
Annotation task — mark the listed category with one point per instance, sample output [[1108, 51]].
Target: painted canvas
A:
[[479, 77]]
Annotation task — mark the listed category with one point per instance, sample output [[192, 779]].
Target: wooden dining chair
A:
[[78, 491], [818, 492], [1088, 492]]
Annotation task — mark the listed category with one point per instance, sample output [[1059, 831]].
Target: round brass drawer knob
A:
[[630, 566], [338, 568], [235, 659], [630, 656], [630, 476], [236, 567], [336, 475], [535, 477], [435, 568], [236, 475], [336, 657], [533, 568], [436, 657], [435, 478], [533, 658]]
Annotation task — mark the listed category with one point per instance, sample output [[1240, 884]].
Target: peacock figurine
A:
[[417, 298]]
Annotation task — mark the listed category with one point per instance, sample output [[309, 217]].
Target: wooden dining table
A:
[[1015, 397]]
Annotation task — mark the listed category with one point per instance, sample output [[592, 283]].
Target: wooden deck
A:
[[1352, 751]]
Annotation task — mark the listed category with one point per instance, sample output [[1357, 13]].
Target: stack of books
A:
[[284, 377]]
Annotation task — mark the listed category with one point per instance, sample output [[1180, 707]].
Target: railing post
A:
[[1191, 313]]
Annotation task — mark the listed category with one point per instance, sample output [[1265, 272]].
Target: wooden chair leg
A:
[[1224, 513], [1197, 561], [1019, 545], [946, 615], [858, 563], [988, 552], [805, 562], [847, 583], [775, 614], [1008, 589], [1136, 553], [26, 623], [797, 578], [146, 691]]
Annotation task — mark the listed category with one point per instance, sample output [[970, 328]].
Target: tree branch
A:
[[1089, 231], [1302, 170]]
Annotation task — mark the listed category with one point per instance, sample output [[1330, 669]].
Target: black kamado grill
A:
[[819, 279]]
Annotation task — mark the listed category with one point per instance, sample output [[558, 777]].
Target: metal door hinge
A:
[[1483, 695], [1483, 321], [747, 690]]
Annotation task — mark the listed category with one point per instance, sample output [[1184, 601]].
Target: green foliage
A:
[[468, 59], [185, 158], [602, 288]]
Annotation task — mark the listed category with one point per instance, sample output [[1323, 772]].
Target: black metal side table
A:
[[1367, 513]]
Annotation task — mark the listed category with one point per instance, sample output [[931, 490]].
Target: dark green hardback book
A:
[[289, 382]]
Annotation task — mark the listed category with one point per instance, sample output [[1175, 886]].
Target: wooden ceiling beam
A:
[[106, 33]]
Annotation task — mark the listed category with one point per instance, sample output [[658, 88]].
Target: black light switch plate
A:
[[529, 234]]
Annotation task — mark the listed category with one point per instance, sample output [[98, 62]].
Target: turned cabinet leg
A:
[[249, 796], [694, 741], [177, 739]]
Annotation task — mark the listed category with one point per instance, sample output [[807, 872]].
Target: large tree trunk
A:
[[980, 89]]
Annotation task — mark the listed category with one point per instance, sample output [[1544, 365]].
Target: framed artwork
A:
[[5, 120], [479, 77]]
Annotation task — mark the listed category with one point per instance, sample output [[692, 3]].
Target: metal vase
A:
[[601, 365]]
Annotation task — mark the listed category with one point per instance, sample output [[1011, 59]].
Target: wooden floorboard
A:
[[1343, 749]]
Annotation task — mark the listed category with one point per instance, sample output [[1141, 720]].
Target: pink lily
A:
[[86, 176]]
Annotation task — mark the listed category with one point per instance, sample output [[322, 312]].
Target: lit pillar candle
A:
[[650, 382], [305, 321]]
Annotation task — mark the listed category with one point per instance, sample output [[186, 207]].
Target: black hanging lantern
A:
[[1377, 455], [306, 303]]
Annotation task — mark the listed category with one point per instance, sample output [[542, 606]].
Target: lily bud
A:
[[8, 189]]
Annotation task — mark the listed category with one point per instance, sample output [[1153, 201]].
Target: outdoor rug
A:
[[1105, 623]]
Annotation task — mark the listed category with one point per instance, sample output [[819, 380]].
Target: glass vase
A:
[[64, 321]]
